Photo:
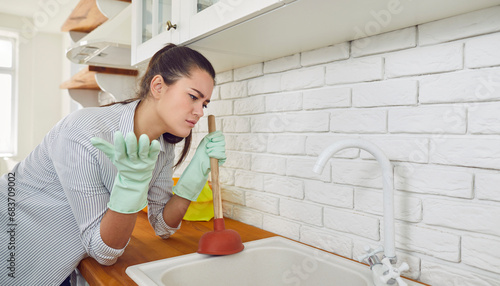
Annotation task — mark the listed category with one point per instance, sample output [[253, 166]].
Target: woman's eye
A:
[[194, 98]]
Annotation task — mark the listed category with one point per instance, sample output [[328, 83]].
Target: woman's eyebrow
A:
[[200, 94]]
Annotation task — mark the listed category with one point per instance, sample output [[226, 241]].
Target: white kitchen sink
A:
[[270, 261]]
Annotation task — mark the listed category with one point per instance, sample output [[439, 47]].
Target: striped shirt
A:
[[52, 203]]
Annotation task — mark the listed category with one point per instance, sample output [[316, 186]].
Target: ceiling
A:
[[51, 13]]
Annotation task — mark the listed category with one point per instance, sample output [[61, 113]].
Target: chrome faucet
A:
[[384, 272]]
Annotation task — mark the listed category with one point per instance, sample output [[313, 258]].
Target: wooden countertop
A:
[[145, 246]]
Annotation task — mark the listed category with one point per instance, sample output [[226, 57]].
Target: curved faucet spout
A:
[[388, 183]]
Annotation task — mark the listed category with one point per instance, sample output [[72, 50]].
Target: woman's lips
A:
[[191, 123]]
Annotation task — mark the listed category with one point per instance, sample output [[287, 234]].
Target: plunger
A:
[[221, 241]]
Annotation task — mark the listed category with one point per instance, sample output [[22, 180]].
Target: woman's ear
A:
[[157, 84]]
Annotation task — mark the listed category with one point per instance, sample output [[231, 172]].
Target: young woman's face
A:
[[181, 104]]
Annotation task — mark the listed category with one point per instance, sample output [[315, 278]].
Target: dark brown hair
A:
[[172, 62]]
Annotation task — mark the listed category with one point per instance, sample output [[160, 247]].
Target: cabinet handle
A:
[[170, 26]]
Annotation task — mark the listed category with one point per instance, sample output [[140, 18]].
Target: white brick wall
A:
[[326, 98], [284, 186], [303, 78], [236, 124], [330, 241], [283, 227], [482, 51], [286, 144], [476, 217], [315, 144], [401, 148], [302, 212], [462, 86], [351, 222], [269, 164], [487, 186], [329, 194], [359, 121], [248, 72], [324, 55], [282, 64], [262, 202], [468, 25], [428, 119], [436, 180], [249, 105], [392, 41], [450, 275], [418, 61], [284, 102], [233, 90], [428, 96], [406, 207], [484, 118], [480, 152], [481, 252], [384, 93], [433, 242], [357, 70], [264, 84]]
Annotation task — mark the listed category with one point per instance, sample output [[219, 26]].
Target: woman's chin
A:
[[181, 133]]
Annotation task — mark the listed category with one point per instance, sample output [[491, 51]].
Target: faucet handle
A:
[[393, 272], [370, 252]]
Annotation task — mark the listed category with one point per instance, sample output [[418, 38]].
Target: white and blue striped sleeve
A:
[[79, 171]]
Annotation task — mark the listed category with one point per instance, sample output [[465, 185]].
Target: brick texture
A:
[[428, 96]]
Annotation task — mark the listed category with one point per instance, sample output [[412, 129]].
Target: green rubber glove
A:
[[195, 176], [135, 163]]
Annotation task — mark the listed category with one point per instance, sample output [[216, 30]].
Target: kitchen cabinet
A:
[[159, 22], [237, 33], [150, 31], [205, 17]]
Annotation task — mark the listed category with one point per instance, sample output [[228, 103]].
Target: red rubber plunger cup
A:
[[221, 241]]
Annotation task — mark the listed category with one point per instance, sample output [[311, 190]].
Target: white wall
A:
[[40, 74], [428, 96]]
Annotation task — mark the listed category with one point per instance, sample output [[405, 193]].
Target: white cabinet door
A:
[[149, 27], [205, 17]]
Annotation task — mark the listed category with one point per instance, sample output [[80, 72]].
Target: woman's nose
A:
[[198, 110]]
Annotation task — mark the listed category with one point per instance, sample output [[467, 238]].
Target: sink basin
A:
[[270, 261]]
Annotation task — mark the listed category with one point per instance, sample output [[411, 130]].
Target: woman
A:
[[77, 194]]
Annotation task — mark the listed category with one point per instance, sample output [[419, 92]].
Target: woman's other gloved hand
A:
[[135, 163], [195, 176]]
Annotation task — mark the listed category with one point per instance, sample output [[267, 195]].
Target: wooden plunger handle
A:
[[214, 166]]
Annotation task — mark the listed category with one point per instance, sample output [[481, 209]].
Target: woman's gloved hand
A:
[[195, 176], [135, 163]]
